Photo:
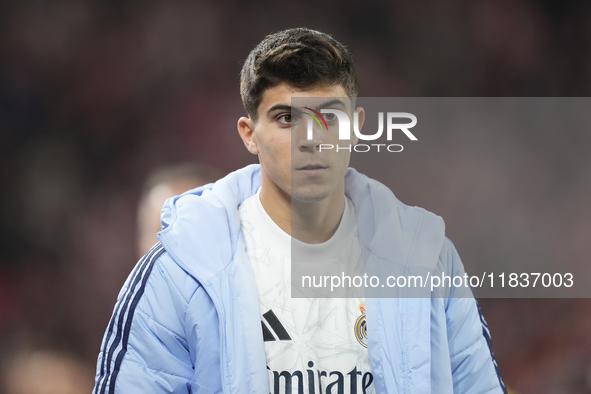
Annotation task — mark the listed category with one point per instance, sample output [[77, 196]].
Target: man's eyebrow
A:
[[283, 107], [331, 103]]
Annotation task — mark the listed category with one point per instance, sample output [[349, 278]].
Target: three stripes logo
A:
[[117, 337], [273, 329]]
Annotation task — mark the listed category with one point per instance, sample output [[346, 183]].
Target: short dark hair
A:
[[299, 57]]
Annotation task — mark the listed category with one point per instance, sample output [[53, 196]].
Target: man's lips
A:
[[311, 167], [312, 170]]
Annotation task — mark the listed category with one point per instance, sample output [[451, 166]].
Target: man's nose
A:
[[309, 137]]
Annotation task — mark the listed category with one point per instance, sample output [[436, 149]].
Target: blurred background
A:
[[95, 96]]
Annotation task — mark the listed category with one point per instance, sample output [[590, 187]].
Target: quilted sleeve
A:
[[474, 368], [144, 349]]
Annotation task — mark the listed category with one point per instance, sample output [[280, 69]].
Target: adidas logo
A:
[[273, 329]]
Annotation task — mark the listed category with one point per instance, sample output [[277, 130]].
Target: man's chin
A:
[[309, 196]]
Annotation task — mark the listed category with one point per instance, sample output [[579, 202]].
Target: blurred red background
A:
[[94, 95]]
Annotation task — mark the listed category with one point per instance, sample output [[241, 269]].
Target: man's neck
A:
[[309, 222]]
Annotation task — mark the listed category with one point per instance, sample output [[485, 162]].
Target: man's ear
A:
[[361, 119], [246, 131]]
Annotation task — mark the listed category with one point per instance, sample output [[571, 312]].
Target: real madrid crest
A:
[[361, 326]]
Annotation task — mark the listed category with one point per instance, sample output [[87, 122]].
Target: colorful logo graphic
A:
[[316, 119], [361, 326], [345, 129]]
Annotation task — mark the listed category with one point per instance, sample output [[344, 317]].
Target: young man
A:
[[189, 317]]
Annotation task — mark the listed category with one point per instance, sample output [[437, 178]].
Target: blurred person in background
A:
[[160, 185]]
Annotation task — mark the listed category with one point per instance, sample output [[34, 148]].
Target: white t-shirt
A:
[[313, 345]]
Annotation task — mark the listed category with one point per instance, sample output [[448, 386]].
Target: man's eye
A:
[[329, 117], [286, 119]]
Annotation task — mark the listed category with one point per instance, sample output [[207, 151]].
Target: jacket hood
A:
[[207, 219]]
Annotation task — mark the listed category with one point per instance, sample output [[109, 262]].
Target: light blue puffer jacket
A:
[[187, 319]]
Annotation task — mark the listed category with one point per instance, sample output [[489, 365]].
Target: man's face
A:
[[293, 163]]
